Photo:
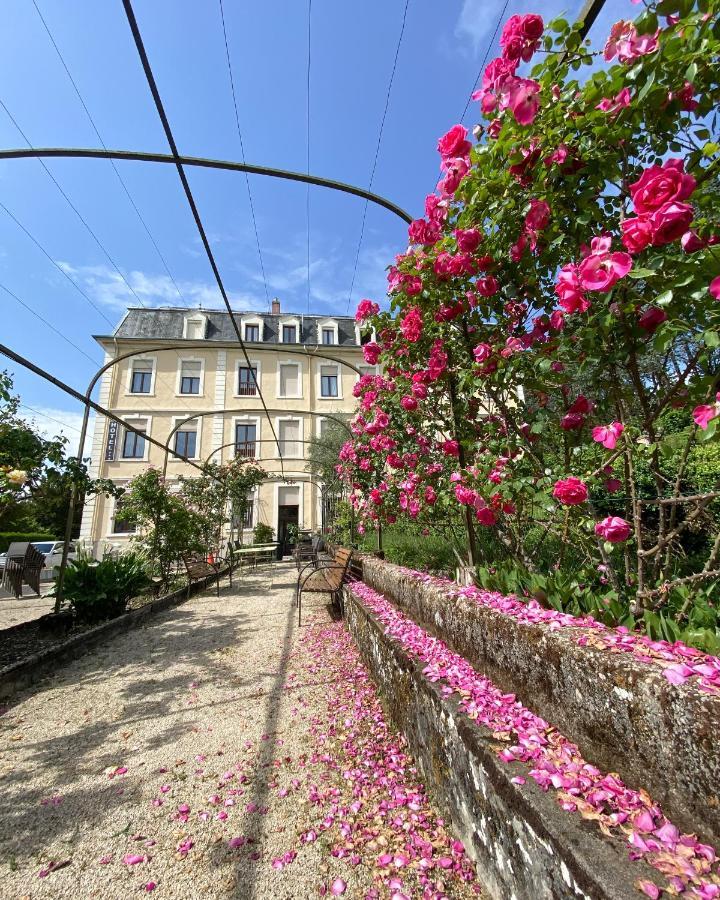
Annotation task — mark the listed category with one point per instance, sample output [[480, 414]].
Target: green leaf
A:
[[642, 273], [664, 298], [712, 339]]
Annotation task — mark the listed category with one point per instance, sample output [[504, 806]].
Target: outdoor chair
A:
[[304, 553], [325, 578], [23, 564]]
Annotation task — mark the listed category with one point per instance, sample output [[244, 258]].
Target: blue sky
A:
[[352, 51]]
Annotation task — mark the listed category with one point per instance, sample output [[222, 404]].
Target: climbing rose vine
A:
[[550, 365]]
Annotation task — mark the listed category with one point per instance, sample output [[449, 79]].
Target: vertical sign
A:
[[111, 441]]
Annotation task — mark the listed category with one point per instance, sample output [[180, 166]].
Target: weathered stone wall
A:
[[623, 714], [524, 845]]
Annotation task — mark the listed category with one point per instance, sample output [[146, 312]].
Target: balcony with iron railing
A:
[[245, 449]]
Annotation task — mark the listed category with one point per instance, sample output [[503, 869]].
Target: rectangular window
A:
[[328, 335], [247, 381], [245, 436], [190, 373], [245, 520], [289, 437], [328, 381], [141, 379], [194, 329], [289, 380], [121, 525], [186, 442], [289, 334], [252, 333], [134, 444]]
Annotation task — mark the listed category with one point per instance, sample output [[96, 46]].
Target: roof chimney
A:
[[275, 307]]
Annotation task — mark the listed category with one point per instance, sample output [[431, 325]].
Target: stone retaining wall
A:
[[524, 845], [623, 714]]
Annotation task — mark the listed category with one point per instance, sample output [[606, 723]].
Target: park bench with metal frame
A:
[[23, 565], [325, 578], [198, 567]]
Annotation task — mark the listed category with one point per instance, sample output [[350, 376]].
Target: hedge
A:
[[10, 537]]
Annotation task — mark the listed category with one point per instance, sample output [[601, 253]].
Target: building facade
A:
[[187, 369]]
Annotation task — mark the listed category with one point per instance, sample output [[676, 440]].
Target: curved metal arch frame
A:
[[232, 409], [206, 163]]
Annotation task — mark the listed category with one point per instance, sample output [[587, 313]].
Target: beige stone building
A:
[[188, 362]]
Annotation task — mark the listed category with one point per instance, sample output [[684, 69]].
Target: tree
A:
[[559, 299]]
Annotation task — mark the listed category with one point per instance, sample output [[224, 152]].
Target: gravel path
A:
[[182, 758]]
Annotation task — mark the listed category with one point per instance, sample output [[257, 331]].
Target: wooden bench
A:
[[198, 567], [326, 578]]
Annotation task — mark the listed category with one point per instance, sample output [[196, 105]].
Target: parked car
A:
[[51, 550]]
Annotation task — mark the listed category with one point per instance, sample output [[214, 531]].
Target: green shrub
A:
[[405, 547], [12, 537], [262, 534], [101, 590]]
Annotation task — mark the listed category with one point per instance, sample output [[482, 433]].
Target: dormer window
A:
[[289, 331], [194, 328], [252, 329], [327, 332]]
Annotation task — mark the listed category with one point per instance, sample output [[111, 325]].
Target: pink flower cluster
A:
[[626, 44], [600, 270], [501, 88], [662, 214]]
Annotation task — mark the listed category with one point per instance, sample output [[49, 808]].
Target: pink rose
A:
[[451, 448], [423, 232], [408, 403], [618, 102], [538, 215], [670, 222], [715, 288], [651, 318], [608, 435], [703, 415], [485, 516], [365, 309], [468, 239], [659, 185], [523, 100], [413, 285], [371, 352], [601, 270], [411, 325], [625, 43], [435, 208], [569, 290], [482, 353], [570, 491], [636, 234], [454, 143], [613, 485], [613, 529], [520, 37]]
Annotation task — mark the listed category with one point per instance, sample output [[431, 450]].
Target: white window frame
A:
[[332, 325], [133, 420], [248, 420], [254, 501], [178, 382], [145, 357], [301, 436], [198, 440], [289, 320], [253, 320], [322, 364], [299, 366], [365, 366], [358, 335], [242, 364], [192, 318]]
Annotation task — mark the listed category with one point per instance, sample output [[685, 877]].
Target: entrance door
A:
[[287, 516]]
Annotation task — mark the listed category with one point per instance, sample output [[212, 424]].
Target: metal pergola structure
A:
[[180, 162]]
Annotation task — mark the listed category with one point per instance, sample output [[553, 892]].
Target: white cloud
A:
[[106, 287], [52, 422]]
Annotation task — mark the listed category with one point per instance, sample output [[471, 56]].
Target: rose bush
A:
[[555, 309]]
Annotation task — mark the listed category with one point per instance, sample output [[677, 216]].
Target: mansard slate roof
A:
[[167, 324]]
